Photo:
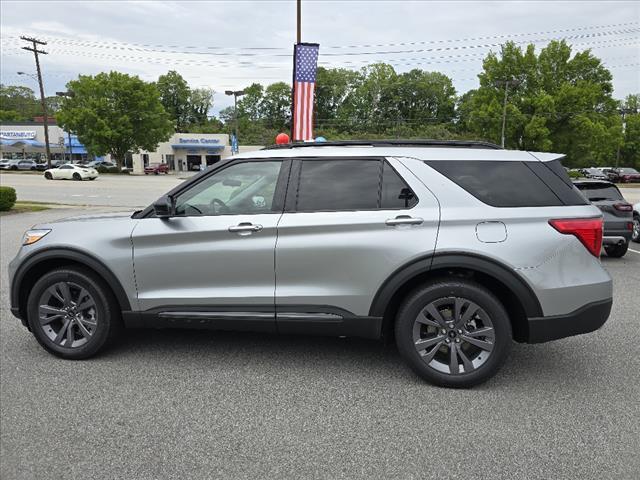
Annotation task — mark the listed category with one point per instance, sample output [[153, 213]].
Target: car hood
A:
[[96, 217]]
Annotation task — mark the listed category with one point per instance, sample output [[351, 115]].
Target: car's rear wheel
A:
[[72, 313], [635, 234], [617, 251], [453, 333], [47, 175], [76, 176]]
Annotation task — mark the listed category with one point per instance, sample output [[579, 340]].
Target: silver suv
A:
[[453, 249]]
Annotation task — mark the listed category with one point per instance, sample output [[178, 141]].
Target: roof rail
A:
[[390, 143]]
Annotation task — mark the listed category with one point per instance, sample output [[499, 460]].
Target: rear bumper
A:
[[583, 320]]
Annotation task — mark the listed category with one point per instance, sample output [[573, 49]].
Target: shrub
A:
[[7, 198], [574, 174]]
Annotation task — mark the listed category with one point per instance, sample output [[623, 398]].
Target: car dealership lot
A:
[[180, 404]]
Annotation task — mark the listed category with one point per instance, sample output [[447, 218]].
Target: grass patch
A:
[[24, 207]]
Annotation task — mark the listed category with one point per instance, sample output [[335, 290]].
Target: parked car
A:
[[618, 218], [627, 175], [635, 235], [451, 248], [6, 163], [19, 165], [593, 173], [101, 163], [156, 168], [71, 172]]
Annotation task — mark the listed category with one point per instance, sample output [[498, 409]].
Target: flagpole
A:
[[299, 20]]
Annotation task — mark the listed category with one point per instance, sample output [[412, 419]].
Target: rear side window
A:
[[510, 184], [338, 185], [351, 184], [395, 191], [600, 191]]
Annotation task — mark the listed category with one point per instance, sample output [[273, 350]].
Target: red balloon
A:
[[282, 138]]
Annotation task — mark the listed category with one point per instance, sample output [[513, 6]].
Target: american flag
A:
[[304, 82]]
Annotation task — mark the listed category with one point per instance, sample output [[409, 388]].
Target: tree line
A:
[[556, 101]]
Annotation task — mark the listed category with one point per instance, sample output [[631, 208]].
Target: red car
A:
[[627, 175], [156, 168]]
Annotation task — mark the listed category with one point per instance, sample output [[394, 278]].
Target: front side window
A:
[[243, 188]]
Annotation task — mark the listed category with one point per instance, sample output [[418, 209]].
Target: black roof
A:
[[390, 143]]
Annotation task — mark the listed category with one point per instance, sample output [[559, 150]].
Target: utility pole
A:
[[45, 119], [68, 94], [504, 107], [299, 20], [623, 113]]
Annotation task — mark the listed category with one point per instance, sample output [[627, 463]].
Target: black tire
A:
[[156, 172], [48, 176], [616, 251], [107, 316], [93, 178], [444, 289], [635, 236], [13, 167], [77, 177]]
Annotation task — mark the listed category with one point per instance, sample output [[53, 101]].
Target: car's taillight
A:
[[630, 226], [587, 230], [623, 207]]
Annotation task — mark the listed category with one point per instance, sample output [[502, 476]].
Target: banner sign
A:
[[17, 134], [305, 63]]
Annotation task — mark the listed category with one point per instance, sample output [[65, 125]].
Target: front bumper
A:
[[583, 320]]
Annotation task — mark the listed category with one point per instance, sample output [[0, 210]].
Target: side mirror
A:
[[163, 207]]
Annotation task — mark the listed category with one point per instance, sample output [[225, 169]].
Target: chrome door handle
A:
[[404, 220], [245, 227]]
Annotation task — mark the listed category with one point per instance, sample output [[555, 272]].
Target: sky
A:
[[230, 44]]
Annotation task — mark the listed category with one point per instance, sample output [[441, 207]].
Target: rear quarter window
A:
[[511, 184]]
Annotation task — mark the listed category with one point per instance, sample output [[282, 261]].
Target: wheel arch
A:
[[39, 263], [510, 288]]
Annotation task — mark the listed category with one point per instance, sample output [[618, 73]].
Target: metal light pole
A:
[[68, 94], [236, 94], [45, 120], [504, 108], [299, 20]]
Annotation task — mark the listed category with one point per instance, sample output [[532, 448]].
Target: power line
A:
[[151, 46]]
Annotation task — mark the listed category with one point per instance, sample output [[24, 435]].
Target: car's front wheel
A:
[[635, 234], [72, 313], [617, 251], [47, 175], [453, 333]]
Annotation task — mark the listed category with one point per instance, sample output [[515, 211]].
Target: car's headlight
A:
[[32, 236]]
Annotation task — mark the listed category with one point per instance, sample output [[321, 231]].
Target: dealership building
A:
[[183, 152]]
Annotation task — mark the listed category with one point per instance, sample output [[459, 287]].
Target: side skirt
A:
[[300, 320]]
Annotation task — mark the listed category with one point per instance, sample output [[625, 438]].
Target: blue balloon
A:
[[321, 139]]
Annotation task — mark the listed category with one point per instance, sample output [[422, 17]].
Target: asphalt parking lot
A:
[[190, 404]]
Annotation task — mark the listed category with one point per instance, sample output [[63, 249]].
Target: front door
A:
[[216, 254]]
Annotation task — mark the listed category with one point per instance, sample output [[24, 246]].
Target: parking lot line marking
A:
[[634, 251]]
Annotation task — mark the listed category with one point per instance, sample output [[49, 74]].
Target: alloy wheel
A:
[[67, 314], [453, 335], [635, 235]]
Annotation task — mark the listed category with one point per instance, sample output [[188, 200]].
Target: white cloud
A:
[[80, 32]]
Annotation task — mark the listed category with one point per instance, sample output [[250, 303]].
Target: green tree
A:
[[276, 105], [630, 150], [18, 103], [200, 102], [332, 87], [250, 104], [115, 113], [556, 101], [175, 96]]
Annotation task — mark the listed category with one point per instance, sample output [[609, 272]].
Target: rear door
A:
[[348, 224]]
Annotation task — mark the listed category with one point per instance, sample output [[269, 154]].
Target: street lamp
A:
[[45, 120], [506, 84], [236, 94], [68, 95]]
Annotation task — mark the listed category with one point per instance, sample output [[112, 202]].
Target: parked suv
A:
[[156, 168], [617, 213], [453, 249]]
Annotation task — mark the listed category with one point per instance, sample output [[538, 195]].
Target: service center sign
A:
[[17, 134]]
